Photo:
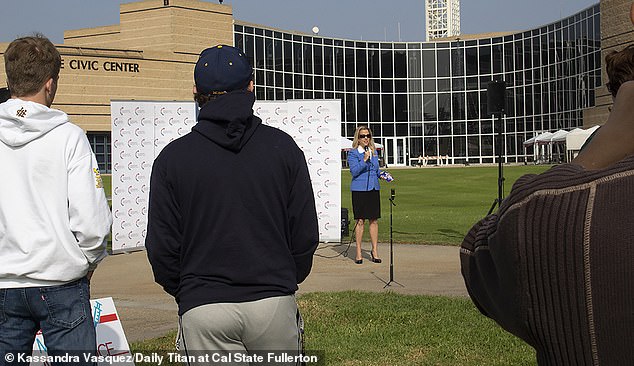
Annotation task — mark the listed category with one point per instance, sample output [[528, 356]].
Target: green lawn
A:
[[388, 329], [437, 205], [433, 205]]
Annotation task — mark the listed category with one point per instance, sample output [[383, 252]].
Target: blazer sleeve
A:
[[356, 163]]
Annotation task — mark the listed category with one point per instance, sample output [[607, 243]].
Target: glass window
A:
[[473, 147], [318, 60], [329, 64], [415, 85], [431, 129], [362, 63], [473, 105], [458, 106], [471, 56], [444, 146], [485, 59], [362, 107], [387, 111], [429, 63], [457, 62], [431, 146], [400, 104], [400, 64], [444, 128], [349, 62], [298, 59], [415, 107], [387, 70], [373, 64], [339, 63], [497, 59], [459, 128], [444, 85], [459, 146], [414, 64], [351, 115], [387, 86], [277, 55], [400, 86], [429, 107], [444, 107], [375, 107], [375, 85], [268, 53], [288, 57], [444, 64], [100, 144], [429, 85]]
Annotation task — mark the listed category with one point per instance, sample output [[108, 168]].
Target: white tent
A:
[[530, 142], [577, 137], [559, 136], [346, 144], [544, 138], [575, 140], [557, 146]]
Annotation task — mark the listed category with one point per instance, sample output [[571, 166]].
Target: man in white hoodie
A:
[[54, 217]]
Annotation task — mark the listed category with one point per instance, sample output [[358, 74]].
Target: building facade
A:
[[429, 98], [419, 98]]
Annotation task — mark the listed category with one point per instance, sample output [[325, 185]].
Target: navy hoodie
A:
[[231, 214]]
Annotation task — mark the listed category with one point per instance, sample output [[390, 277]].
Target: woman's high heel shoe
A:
[[375, 260]]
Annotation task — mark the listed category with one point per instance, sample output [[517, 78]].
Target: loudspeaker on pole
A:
[[496, 97]]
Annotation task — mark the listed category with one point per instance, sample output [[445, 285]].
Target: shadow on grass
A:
[[448, 233]]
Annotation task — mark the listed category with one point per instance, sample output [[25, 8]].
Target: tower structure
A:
[[442, 18]]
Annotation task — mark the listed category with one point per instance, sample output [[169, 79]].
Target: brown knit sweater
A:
[[555, 265]]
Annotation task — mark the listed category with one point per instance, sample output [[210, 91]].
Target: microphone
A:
[[370, 158]]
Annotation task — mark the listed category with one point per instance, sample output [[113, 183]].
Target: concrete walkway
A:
[[146, 311]]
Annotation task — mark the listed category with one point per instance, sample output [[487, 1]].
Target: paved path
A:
[[147, 312]]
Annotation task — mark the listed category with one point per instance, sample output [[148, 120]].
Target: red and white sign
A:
[[111, 340]]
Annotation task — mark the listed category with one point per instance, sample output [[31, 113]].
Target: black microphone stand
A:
[[392, 195], [500, 146]]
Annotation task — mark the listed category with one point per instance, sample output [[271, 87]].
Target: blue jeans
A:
[[62, 312]]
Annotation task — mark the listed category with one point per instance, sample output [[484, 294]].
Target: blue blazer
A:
[[365, 175]]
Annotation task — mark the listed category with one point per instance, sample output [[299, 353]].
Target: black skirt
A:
[[366, 204]]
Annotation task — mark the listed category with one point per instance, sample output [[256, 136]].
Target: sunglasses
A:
[[365, 136]]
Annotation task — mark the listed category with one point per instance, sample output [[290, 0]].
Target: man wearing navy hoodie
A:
[[232, 225]]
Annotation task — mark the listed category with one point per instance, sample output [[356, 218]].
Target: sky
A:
[[371, 20]]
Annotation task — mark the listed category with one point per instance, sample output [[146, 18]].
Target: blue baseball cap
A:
[[222, 69]]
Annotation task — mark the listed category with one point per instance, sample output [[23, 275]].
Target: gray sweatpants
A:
[[268, 325]]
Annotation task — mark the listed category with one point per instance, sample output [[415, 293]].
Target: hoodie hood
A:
[[228, 120], [22, 121]]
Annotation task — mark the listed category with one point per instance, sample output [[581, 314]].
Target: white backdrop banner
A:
[[141, 129]]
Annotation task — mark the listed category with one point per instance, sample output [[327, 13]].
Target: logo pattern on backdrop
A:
[[137, 141]]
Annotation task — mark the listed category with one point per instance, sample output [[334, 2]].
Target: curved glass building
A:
[[429, 98]]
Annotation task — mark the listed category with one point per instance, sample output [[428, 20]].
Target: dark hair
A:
[[29, 63], [620, 68], [203, 99], [5, 94]]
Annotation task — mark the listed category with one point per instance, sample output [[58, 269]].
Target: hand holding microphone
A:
[[367, 155]]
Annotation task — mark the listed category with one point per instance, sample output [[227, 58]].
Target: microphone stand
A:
[[392, 195]]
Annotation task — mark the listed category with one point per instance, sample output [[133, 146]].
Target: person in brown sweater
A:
[[555, 265]]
